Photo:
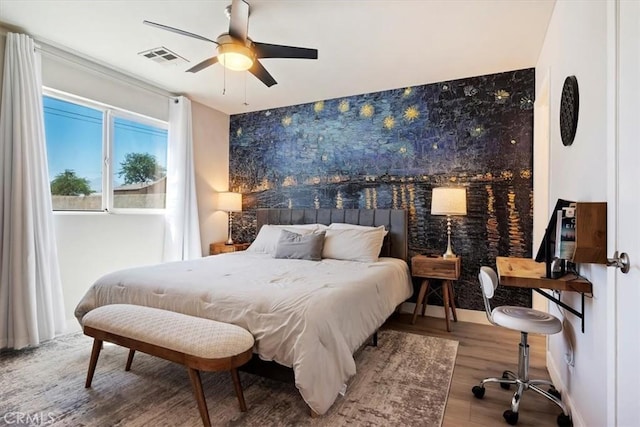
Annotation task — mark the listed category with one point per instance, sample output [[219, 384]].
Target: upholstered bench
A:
[[199, 344]]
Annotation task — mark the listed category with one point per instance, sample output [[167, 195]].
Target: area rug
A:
[[402, 382]]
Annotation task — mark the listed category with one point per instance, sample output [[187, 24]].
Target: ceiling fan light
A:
[[235, 57]]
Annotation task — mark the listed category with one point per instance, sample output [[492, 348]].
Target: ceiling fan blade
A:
[[204, 64], [262, 74], [178, 31], [239, 20], [266, 50]]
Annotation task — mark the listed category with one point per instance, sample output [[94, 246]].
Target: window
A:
[[103, 159]]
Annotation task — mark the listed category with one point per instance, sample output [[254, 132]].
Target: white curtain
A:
[[182, 231], [31, 302]]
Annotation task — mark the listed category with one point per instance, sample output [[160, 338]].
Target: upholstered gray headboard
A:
[[395, 220]]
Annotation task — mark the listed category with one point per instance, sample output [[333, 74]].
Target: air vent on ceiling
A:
[[162, 55]]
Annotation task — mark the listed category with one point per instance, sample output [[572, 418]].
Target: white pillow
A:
[[353, 243], [266, 241], [345, 226]]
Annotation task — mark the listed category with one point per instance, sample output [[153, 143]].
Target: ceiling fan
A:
[[236, 51]]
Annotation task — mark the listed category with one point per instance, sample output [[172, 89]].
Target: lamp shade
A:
[[449, 201], [230, 202], [235, 56]]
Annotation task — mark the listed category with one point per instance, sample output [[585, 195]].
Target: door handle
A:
[[622, 262]]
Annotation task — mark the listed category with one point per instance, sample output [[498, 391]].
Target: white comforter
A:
[[308, 315]]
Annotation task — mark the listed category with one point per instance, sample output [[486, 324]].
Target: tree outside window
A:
[[67, 183], [140, 168]]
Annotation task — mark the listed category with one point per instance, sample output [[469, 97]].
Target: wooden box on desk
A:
[[591, 233], [435, 267]]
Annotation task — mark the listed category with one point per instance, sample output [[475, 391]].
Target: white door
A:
[[624, 221]]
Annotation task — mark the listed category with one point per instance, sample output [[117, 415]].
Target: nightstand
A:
[[445, 269], [221, 248]]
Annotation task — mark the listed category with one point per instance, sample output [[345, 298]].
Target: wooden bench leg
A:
[[194, 375], [95, 352], [129, 360], [238, 387]]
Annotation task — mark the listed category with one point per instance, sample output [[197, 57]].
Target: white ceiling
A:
[[363, 45]]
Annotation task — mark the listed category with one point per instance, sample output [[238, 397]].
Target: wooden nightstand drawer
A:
[[435, 267], [221, 248]]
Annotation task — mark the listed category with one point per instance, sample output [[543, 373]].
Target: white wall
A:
[[211, 152], [575, 44], [3, 41], [93, 244], [541, 142]]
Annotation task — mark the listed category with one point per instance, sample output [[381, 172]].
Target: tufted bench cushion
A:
[[199, 344], [195, 336]]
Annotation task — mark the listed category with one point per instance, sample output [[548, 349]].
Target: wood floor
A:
[[485, 351]]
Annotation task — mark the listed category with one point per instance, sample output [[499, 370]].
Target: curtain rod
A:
[[95, 67]]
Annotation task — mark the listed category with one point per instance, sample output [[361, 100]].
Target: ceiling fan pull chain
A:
[[224, 80], [245, 90]]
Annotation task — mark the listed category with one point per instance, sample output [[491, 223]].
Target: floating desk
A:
[[526, 273]]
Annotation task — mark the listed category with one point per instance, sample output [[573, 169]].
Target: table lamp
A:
[[449, 201], [229, 202]]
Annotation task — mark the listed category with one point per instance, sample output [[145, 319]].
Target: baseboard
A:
[[72, 326], [464, 315], [554, 373]]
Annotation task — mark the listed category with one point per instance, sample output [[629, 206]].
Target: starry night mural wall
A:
[[388, 150]]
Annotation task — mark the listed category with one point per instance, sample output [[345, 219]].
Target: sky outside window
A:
[[74, 140]]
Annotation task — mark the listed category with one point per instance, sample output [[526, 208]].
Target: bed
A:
[[310, 316]]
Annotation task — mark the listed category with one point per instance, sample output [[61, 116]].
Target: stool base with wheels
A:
[[526, 321]]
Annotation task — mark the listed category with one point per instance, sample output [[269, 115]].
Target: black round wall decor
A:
[[569, 103]]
